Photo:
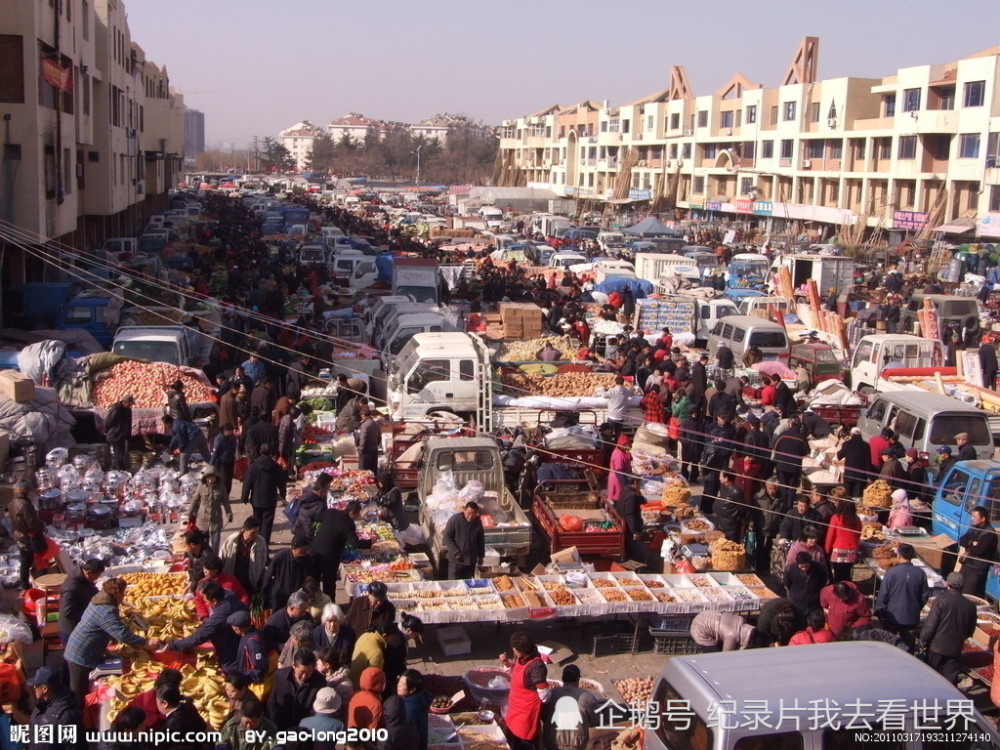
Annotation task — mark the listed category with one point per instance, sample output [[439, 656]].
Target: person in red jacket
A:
[[843, 538], [815, 632], [147, 700], [213, 572], [846, 608]]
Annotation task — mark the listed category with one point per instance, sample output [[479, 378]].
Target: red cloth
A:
[[810, 636], [839, 536], [876, 444], [854, 613], [147, 702], [524, 706], [227, 581]]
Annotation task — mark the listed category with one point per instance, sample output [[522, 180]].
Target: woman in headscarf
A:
[[901, 513], [620, 468]]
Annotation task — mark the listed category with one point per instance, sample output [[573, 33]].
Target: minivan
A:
[[766, 697], [926, 421], [951, 311], [740, 332]]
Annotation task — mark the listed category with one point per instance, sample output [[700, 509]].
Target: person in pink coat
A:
[[620, 468]]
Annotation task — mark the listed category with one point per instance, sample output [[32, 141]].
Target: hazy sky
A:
[[255, 67]]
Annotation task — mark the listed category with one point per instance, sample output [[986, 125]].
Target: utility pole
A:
[[418, 162]]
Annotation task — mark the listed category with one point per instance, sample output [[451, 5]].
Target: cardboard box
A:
[[454, 641], [570, 554], [933, 551], [16, 387]]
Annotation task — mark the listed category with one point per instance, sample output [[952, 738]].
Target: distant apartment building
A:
[[442, 128], [93, 136], [194, 132], [298, 139], [917, 149], [354, 126]]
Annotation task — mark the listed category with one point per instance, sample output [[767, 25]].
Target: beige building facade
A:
[[92, 136], [916, 150]]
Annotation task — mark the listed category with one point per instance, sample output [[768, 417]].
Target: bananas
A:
[[203, 685], [142, 585]]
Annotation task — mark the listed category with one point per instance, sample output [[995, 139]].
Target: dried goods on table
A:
[[878, 494]]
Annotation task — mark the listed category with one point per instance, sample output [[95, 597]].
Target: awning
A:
[[953, 229]]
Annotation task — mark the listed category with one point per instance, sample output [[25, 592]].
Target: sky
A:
[[255, 67]]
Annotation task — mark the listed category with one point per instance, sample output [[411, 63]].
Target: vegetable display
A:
[[147, 382], [563, 384]]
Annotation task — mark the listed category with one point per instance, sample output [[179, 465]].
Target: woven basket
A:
[[729, 560]]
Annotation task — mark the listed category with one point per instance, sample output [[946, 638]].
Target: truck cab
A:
[[612, 242], [952, 312], [748, 271], [168, 344], [376, 314], [879, 352], [88, 311], [407, 326], [967, 485], [565, 260], [115, 246], [313, 254], [353, 269], [438, 372]]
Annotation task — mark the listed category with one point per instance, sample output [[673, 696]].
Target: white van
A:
[[740, 332], [770, 698], [353, 269]]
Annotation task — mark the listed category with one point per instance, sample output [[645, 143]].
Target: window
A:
[[767, 150], [739, 334], [686, 151], [471, 460], [711, 151], [994, 198], [746, 185], [859, 150], [751, 114], [11, 69], [911, 100], [907, 147], [975, 94], [789, 111], [625, 125], [814, 112], [466, 370], [836, 149], [726, 119], [774, 115], [675, 121], [977, 428], [673, 150], [787, 147], [954, 487], [968, 146], [699, 185], [703, 118], [972, 197], [748, 150], [85, 19], [889, 105], [50, 172], [67, 172], [769, 339], [814, 149], [682, 728]]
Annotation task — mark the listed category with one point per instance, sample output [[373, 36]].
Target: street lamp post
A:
[[418, 162]]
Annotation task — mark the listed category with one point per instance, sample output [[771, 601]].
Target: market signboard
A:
[[912, 221]]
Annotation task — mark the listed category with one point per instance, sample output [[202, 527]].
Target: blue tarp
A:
[[383, 262], [640, 287], [650, 227]]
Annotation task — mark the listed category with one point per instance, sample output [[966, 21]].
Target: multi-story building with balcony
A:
[[92, 135], [298, 139], [917, 149]]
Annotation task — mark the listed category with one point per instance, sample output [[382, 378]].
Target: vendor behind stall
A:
[[214, 628]]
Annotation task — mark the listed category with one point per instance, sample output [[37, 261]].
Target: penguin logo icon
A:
[[567, 714]]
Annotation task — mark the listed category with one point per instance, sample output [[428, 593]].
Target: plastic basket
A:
[[674, 644]]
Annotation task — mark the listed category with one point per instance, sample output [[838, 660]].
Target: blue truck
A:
[[966, 485]]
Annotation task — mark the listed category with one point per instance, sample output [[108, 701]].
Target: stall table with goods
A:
[[158, 607], [571, 512]]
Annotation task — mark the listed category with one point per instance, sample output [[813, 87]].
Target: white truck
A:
[[828, 271], [452, 372], [175, 345], [897, 353], [655, 266]]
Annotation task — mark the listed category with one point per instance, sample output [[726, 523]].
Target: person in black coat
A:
[[311, 506], [337, 531], [182, 718], [790, 447], [724, 358], [75, 594], [294, 692], [464, 542], [966, 450], [264, 483], [118, 429], [258, 433], [278, 627], [222, 603], [699, 379], [721, 404], [629, 507], [989, 365], [55, 707], [856, 455], [979, 552], [730, 509], [287, 571], [784, 401], [951, 621], [692, 439], [803, 580], [802, 515], [721, 443]]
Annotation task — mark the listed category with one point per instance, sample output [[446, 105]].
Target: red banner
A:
[[56, 75]]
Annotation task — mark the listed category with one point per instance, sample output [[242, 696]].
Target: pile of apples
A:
[[146, 381]]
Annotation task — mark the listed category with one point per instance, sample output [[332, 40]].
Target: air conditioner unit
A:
[[729, 131], [832, 122], [688, 131], [642, 163], [667, 163], [680, 162], [806, 163]]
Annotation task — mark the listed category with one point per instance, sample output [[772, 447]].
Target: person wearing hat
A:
[[75, 593], [208, 502], [29, 531], [55, 706], [966, 450], [370, 609], [324, 719], [699, 379], [979, 551], [236, 732], [951, 621], [902, 596], [945, 460], [857, 463], [893, 471], [118, 430], [629, 507], [215, 628], [287, 571], [916, 473]]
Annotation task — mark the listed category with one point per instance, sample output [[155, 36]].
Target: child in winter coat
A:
[[207, 504]]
